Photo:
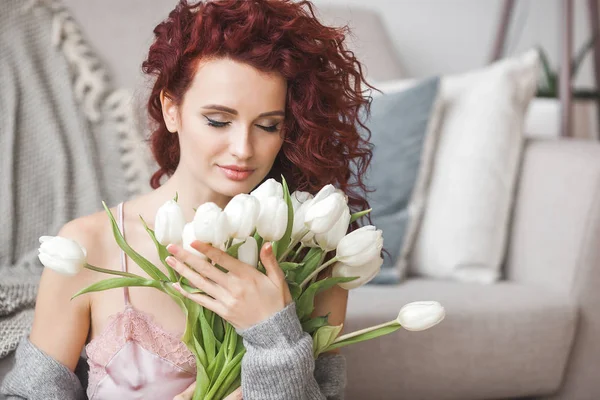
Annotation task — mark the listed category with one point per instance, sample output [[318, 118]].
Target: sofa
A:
[[531, 335]]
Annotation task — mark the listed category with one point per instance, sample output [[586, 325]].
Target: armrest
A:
[[555, 238], [555, 243]]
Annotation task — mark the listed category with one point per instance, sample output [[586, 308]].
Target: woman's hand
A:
[[244, 296], [188, 393]]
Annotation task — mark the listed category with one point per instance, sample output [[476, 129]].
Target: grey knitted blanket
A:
[[67, 141]]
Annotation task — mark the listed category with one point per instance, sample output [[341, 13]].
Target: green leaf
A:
[[287, 266], [305, 304], [163, 253], [359, 214], [233, 250], [227, 375], [113, 272], [282, 244], [218, 328], [202, 380], [113, 283], [311, 262], [363, 337], [208, 337], [295, 290], [215, 367], [313, 324], [146, 265], [323, 337]]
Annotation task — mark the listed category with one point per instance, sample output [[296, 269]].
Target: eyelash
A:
[[217, 124]]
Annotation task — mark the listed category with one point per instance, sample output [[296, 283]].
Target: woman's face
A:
[[229, 125]]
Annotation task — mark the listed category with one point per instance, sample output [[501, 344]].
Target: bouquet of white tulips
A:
[[303, 229]]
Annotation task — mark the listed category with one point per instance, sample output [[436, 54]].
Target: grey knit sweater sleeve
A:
[[37, 376], [279, 362]]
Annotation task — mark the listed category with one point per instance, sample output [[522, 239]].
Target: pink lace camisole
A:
[[134, 358]]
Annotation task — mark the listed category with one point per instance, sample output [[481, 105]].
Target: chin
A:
[[231, 188]]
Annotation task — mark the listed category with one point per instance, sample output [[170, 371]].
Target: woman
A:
[[243, 91]]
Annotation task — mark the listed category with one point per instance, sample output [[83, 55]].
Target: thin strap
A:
[[123, 256]]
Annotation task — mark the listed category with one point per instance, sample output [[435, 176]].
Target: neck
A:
[[191, 194]]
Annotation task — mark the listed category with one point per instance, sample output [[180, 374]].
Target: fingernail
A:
[[170, 260], [177, 286], [171, 248]]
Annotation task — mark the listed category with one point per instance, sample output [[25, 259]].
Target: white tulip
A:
[[360, 246], [323, 214], [242, 213], [211, 224], [168, 223], [329, 240], [301, 201], [268, 188], [63, 255], [272, 221], [188, 236], [421, 315], [248, 252], [364, 272]]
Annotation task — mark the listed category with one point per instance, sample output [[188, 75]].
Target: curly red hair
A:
[[324, 101]]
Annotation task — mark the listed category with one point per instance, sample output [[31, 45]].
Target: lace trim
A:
[[137, 326]]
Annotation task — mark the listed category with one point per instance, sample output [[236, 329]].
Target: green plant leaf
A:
[[313, 324], [311, 263], [113, 283], [282, 244], [363, 337], [233, 250], [203, 385], [289, 266], [208, 337], [113, 272], [323, 337], [163, 253], [305, 304], [359, 214], [146, 265], [224, 379], [295, 290]]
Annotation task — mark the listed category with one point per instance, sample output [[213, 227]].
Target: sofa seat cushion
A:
[[497, 341]]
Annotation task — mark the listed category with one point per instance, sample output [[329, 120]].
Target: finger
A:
[[198, 264], [270, 263], [235, 395], [195, 278], [218, 256], [187, 394], [204, 300]]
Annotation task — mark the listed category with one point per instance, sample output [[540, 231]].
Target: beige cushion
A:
[[465, 223], [497, 341]]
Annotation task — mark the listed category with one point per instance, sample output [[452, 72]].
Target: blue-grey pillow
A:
[[399, 125]]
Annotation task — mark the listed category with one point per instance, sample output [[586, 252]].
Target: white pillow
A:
[[464, 227]]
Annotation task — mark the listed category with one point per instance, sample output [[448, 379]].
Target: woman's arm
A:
[[45, 363], [279, 363]]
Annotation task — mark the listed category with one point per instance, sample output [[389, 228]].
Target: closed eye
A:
[[272, 128], [216, 124]]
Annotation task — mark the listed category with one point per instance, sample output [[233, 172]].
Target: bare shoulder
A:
[[61, 324]]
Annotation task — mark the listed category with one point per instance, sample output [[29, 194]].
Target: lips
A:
[[236, 173]]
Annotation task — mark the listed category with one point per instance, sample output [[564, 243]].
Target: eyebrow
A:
[[234, 112]]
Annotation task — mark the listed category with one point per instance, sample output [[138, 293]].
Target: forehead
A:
[[237, 85]]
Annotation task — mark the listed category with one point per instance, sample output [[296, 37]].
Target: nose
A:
[[240, 144]]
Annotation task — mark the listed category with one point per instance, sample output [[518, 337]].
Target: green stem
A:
[[293, 244], [302, 247], [316, 271], [366, 330]]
